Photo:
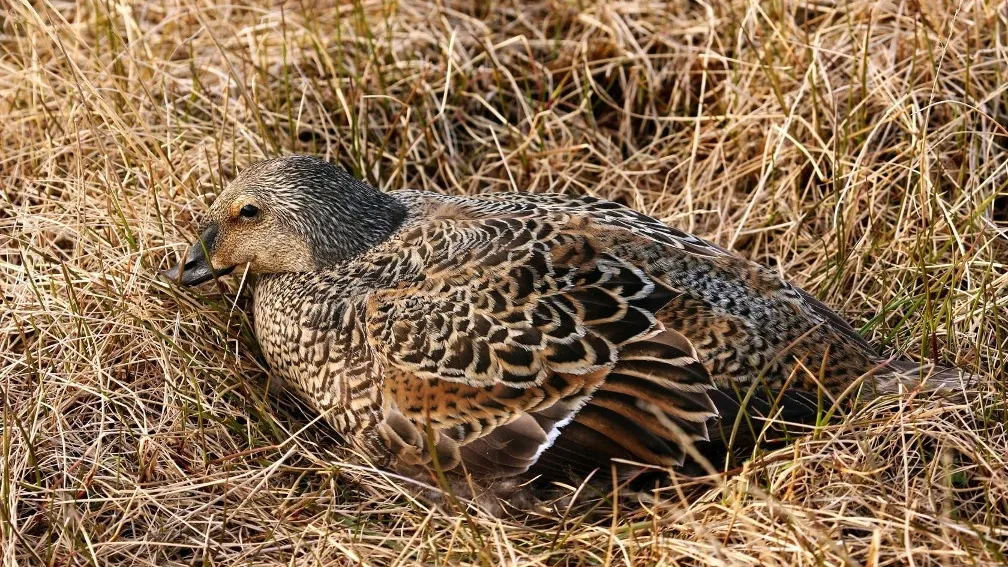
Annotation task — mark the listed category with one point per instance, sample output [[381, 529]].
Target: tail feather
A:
[[908, 374]]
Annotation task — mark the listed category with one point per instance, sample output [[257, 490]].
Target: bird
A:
[[503, 338]]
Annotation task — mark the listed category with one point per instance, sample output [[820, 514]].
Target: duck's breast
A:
[[312, 337]]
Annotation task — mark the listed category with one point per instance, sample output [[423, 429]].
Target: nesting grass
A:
[[857, 146]]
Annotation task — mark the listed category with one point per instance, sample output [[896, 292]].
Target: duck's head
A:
[[289, 214]]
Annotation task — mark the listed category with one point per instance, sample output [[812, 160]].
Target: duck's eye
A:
[[249, 211]]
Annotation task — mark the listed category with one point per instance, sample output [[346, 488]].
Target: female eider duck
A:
[[510, 336]]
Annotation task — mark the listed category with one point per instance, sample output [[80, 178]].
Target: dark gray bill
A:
[[195, 268]]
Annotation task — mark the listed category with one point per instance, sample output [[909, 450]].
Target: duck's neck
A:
[[376, 216]]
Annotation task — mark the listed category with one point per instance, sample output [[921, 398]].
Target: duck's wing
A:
[[519, 325], [620, 219]]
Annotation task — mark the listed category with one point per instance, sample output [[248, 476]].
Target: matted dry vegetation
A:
[[857, 146]]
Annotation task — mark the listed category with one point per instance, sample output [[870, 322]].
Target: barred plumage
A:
[[525, 334]]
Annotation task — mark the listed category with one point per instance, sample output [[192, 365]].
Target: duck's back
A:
[[552, 331], [745, 320]]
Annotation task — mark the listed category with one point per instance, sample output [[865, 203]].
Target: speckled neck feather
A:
[[362, 218]]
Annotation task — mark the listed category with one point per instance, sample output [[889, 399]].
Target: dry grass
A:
[[857, 146]]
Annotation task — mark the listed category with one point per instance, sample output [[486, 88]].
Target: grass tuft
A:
[[859, 147]]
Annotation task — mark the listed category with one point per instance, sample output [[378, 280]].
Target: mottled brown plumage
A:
[[523, 334]]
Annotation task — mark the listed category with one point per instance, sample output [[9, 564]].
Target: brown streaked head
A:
[[290, 214]]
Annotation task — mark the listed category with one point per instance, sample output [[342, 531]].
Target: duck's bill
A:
[[195, 268]]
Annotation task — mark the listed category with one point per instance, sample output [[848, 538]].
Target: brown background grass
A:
[[857, 146]]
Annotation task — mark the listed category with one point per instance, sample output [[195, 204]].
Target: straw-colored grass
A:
[[857, 146]]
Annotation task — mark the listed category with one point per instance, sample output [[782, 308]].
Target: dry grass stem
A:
[[859, 147]]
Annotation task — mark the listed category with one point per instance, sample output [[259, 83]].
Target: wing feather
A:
[[522, 325]]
